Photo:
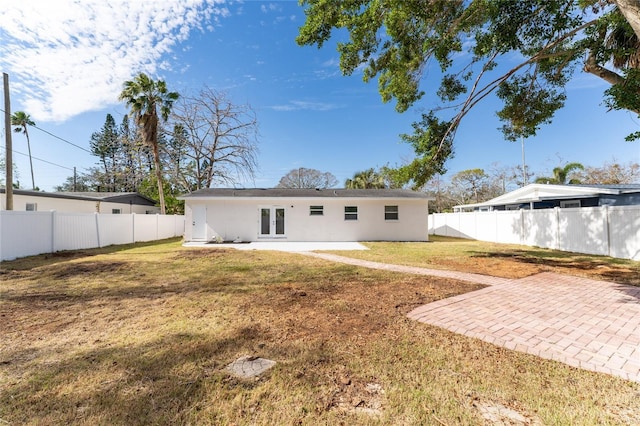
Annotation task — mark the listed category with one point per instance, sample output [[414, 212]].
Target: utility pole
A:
[[8, 143]]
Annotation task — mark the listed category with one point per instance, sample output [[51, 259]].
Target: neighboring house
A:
[[545, 196], [306, 215], [81, 202]]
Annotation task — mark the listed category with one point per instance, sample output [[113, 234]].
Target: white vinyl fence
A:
[[30, 233], [609, 231]]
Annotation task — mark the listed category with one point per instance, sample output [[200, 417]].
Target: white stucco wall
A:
[[45, 204], [240, 218]]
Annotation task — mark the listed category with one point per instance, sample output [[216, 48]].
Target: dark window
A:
[[116, 211], [351, 213], [316, 210], [390, 212]]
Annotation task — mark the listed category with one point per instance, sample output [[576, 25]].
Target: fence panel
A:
[[624, 232], [74, 231], [613, 231], [145, 227], [115, 229], [486, 226], [25, 234], [466, 225], [166, 227], [540, 228], [31, 233], [509, 226], [583, 230], [179, 225]]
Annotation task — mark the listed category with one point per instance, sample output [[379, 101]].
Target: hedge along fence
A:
[[30, 233], [608, 230]]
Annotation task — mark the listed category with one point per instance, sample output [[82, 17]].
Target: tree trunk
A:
[[156, 160], [33, 182], [630, 9]]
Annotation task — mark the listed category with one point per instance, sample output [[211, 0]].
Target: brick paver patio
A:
[[584, 323]]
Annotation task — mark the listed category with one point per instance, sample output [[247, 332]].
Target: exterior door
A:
[[199, 222], [272, 222]]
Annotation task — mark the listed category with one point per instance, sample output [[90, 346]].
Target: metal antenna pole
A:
[[524, 167]]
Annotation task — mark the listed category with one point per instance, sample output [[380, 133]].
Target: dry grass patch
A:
[[500, 260], [144, 335]]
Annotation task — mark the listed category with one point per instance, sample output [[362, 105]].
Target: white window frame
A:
[[31, 207], [390, 211], [116, 211], [350, 212]]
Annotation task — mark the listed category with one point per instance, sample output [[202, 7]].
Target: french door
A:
[[272, 222]]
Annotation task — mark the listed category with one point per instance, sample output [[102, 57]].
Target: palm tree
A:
[[366, 179], [144, 96], [560, 175], [21, 120]]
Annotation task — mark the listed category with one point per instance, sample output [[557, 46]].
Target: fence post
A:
[[97, 228], [607, 225], [53, 231], [133, 227], [556, 242], [1, 233], [475, 225], [522, 238]]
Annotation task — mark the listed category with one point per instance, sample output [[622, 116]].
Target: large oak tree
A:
[[475, 44]]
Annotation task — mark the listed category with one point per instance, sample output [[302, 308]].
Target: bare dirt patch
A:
[[79, 269], [521, 263], [499, 414], [193, 254]]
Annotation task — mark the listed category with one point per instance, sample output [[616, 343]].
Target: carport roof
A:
[[303, 193]]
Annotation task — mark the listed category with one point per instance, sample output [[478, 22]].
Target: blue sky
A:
[[67, 61]]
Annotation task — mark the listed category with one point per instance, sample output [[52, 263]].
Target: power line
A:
[[63, 140], [57, 137], [39, 159]]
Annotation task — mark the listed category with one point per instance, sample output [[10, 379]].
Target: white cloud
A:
[[271, 7], [66, 57], [305, 105]]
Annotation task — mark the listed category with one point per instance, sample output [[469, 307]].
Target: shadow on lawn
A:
[[74, 284], [619, 271], [157, 382], [63, 285], [30, 262]]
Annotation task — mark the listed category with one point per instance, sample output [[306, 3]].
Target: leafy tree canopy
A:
[[382, 178], [475, 44], [563, 175], [144, 96]]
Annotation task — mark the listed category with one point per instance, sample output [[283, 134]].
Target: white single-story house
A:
[[227, 214], [546, 196], [80, 202]]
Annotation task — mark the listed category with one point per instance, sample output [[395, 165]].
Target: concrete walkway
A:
[[589, 324], [288, 246]]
